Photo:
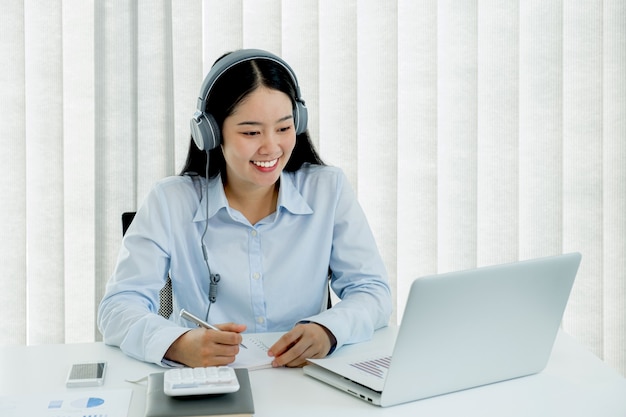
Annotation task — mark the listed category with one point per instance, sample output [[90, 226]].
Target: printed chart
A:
[[100, 403]]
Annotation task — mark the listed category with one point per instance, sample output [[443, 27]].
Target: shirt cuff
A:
[[331, 336]]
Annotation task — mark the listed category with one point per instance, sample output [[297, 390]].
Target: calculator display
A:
[[87, 370]]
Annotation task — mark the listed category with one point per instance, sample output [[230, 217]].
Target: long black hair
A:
[[230, 89]]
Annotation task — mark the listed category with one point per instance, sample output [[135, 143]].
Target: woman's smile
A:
[[266, 165]]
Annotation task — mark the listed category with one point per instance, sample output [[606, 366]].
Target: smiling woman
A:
[[271, 218]]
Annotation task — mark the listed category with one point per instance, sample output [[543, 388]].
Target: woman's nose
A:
[[271, 142]]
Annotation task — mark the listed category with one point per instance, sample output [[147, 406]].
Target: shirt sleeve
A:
[[358, 277], [127, 315]]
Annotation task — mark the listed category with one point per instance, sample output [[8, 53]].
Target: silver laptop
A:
[[459, 330]]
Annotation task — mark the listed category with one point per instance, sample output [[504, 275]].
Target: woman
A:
[[265, 220]]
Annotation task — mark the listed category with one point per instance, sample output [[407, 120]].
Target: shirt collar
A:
[[214, 190], [289, 197]]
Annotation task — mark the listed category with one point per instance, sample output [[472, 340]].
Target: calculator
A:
[[200, 381]]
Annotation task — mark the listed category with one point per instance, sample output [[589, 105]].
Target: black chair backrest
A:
[[127, 219]]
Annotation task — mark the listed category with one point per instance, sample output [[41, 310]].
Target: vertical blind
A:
[[475, 133]]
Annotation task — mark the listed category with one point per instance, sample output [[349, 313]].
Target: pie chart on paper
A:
[[90, 402]]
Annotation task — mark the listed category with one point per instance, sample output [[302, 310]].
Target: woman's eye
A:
[[251, 133], [284, 129]]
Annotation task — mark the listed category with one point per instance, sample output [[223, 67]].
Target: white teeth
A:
[[265, 164]]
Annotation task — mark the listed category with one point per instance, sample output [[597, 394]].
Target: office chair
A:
[[165, 293]]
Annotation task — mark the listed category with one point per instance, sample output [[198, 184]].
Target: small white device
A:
[[89, 374], [200, 381]]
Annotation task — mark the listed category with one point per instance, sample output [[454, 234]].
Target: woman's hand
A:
[[203, 347], [304, 341]]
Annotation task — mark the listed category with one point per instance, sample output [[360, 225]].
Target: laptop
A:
[[459, 330]]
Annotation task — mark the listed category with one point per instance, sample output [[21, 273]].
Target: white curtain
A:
[[474, 132]]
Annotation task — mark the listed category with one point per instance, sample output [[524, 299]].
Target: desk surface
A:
[[575, 383]]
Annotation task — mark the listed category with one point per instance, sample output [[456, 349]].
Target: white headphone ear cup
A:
[[205, 131], [301, 117], [196, 135]]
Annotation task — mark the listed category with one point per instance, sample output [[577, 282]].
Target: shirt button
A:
[[253, 233], [260, 320], [256, 275]]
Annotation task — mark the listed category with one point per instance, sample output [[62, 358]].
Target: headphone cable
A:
[[213, 278]]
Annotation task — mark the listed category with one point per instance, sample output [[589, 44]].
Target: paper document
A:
[[70, 403], [255, 356]]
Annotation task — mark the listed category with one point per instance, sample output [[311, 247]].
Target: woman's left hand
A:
[[304, 341]]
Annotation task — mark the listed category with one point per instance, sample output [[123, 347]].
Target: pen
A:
[[188, 316]]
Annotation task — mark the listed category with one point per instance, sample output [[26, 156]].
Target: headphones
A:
[[205, 131]]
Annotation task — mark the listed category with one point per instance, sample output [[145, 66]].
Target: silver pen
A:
[[188, 316]]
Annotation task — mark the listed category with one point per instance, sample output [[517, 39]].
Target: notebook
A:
[[254, 356], [460, 330]]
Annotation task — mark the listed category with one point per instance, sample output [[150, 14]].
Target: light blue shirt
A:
[[273, 273]]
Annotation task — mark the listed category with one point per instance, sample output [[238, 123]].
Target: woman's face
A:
[[258, 138]]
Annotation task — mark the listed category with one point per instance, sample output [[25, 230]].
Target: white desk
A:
[[575, 383]]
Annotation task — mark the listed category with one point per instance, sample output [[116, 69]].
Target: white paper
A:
[[70, 403], [255, 356]]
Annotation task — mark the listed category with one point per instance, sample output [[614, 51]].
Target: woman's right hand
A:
[[202, 347]]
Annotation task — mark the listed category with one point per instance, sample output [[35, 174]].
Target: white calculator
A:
[[200, 381]]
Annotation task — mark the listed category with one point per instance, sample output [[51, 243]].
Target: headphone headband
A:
[[204, 129]]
